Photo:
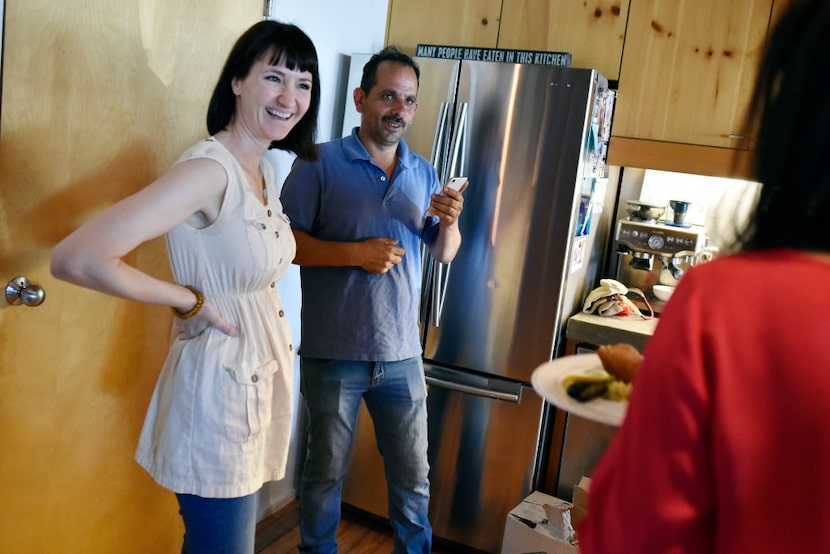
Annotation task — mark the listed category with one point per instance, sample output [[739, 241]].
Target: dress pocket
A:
[[249, 392]]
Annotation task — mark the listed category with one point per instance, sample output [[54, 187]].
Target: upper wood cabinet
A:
[[688, 69], [592, 31], [684, 68], [452, 22]]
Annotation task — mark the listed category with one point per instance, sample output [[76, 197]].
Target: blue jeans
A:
[[218, 525], [395, 396]]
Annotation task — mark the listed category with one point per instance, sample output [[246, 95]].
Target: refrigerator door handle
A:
[[457, 164], [431, 269], [427, 277], [441, 271], [438, 156], [496, 389]]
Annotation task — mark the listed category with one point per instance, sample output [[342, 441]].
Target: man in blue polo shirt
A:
[[359, 214]]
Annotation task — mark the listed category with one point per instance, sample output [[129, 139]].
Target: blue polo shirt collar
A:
[[355, 150]]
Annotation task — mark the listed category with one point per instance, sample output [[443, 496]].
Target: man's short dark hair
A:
[[388, 54]]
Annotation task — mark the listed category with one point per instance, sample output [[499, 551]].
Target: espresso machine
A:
[[654, 251]]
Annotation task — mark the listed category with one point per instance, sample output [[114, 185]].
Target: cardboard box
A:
[[580, 508], [528, 529]]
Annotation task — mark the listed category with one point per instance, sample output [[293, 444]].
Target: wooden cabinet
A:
[[592, 31], [688, 68], [685, 70], [687, 75], [452, 22]]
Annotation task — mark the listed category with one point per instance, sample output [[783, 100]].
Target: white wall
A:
[[338, 29], [720, 205]]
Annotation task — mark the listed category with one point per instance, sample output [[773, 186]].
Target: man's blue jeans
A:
[[395, 396], [218, 525]]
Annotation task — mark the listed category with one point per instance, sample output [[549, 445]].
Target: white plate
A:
[[548, 378]]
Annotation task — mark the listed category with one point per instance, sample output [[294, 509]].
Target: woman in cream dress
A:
[[219, 422]]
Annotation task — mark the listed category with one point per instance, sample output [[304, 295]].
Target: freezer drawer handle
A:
[[487, 393]]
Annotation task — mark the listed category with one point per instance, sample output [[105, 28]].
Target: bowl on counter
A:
[[662, 292], [644, 211]]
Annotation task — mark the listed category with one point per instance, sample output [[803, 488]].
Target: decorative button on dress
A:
[[220, 419]]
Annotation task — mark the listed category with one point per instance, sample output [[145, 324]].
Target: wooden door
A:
[[687, 69], [593, 32], [451, 22], [99, 97]]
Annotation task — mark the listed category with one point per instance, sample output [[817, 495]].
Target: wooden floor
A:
[[357, 534]]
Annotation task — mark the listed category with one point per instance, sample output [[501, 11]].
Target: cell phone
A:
[[456, 182]]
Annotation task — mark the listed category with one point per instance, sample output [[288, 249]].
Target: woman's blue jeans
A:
[[218, 525], [395, 396]]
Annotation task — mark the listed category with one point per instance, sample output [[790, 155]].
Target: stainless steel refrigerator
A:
[[536, 227]]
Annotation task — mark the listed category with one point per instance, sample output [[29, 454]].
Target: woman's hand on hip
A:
[[208, 316]]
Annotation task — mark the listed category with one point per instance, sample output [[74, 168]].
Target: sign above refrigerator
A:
[[504, 55]]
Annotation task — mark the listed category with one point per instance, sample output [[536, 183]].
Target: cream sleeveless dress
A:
[[220, 419]]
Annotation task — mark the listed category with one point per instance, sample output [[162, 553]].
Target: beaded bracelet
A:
[[200, 300]]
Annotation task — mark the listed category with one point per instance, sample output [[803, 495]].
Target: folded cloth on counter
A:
[[609, 299]]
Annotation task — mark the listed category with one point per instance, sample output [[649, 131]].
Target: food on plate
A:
[[613, 381], [621, 360], [585, 388], [617, 390]]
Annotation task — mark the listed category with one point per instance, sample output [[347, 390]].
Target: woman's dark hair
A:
[[286, 43], [388, 54], [790, 115]]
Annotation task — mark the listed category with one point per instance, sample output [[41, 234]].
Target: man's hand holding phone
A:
[[448, 205]]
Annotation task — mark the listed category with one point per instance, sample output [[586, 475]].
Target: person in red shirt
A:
[[725, 447]]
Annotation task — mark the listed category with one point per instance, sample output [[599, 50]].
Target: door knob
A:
[[21, 291]]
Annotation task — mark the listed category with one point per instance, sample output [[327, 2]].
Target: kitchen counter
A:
[[599, 330]]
